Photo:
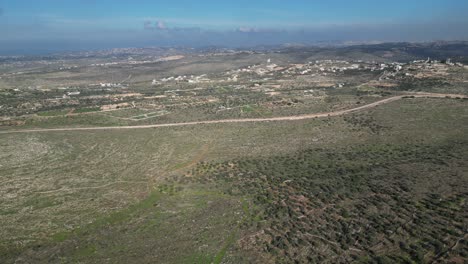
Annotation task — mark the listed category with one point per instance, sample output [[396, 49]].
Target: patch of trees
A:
[[348, 204]]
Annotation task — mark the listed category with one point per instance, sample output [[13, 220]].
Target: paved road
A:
[[245, 120]]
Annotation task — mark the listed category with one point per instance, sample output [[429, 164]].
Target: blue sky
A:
[[81, 24]]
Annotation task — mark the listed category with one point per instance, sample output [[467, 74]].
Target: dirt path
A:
[[245, 120]]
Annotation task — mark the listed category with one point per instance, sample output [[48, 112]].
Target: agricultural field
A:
[[249, 157]]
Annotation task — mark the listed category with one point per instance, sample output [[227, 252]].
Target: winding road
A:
[[245, 120]]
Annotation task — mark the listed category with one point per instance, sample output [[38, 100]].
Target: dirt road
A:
[[245, 120]]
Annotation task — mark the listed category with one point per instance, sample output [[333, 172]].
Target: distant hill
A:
[[403, 52]]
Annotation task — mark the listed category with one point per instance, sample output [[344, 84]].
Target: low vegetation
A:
[[341, 189]]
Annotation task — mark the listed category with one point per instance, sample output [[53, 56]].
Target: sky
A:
[[36, 26]]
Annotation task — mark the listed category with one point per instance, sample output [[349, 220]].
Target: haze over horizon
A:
[[29, 27]]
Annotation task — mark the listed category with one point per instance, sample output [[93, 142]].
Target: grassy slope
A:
[[107, 186]]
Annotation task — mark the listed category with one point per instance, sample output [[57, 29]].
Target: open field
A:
[[247, 120], [87, 189]]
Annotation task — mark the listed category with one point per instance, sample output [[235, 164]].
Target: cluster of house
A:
[[322, 67], [190, 79], [110, 85]]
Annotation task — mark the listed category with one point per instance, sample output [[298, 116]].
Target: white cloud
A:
[[157, 25], [160, 25], [247, 29]]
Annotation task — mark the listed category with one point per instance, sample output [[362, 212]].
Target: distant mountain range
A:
[[457, 51]]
